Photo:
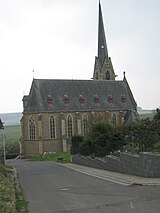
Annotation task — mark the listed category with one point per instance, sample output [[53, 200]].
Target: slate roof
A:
[[58, 90]]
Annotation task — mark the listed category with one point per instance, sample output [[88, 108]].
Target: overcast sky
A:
[[58, 39]]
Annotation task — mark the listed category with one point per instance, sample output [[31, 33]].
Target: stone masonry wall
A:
[[43, 142], [145, 165]]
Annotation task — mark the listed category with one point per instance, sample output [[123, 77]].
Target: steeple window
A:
[[107, 75]]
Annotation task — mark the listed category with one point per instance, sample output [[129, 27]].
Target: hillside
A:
[[11, 119], [144, 113]]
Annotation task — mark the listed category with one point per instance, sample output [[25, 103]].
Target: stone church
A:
[[56, 110]]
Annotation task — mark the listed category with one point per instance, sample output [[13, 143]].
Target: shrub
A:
[[101, 151], [12, 149], [76, 142], [85, 150]]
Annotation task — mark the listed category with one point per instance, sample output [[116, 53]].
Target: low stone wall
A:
[[145, 164]]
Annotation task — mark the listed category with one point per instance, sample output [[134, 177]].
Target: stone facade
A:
[[61, 143], [104, 73]]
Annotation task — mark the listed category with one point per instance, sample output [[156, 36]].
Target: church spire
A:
[[103, 69], [102, 45]]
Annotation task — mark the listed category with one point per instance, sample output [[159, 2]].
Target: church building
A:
[[56, 110]]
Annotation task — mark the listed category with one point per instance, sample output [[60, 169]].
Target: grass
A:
[[11, 195], [12, 133], [21, 204], [61, 157], [12, 136]]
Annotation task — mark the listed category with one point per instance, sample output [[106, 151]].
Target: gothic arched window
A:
[[107, 75], [69, 126], [32, 129], [114, 120], [52, 127], [85, 124]]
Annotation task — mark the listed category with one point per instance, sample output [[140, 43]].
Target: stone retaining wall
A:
[[145, 164]]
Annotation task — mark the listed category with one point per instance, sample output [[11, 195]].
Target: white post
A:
[[4, 146], [3, 141]]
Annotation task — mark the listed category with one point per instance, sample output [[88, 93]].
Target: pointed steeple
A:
[[103, 69], [102, 45]]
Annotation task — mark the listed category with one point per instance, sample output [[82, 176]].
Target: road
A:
[[53, 188]]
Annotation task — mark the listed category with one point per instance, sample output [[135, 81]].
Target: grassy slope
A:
[[147, 115], [12, 136], [12, 133], [11, 196]]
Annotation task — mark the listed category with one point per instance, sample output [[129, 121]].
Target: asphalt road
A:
[[53, 188]]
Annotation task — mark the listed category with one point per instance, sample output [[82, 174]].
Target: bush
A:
[[103, 140], [85, 150], [76, 142], [12, 150], [132, 147], [101, 151], [75, 150]]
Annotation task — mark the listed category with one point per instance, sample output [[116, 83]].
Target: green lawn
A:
[[61, 157]]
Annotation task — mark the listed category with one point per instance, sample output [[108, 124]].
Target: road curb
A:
[[122, 179]]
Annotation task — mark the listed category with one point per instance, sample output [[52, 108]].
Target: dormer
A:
[[123, 98], [96, 99], [66, 99], [49, 100], [81, 99], [110, 99]]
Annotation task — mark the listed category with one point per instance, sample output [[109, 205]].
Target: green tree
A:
[[103, 140], [157, 115], [76, 142], [144, 134]]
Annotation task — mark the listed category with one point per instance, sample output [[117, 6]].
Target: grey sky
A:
[[58, 39]]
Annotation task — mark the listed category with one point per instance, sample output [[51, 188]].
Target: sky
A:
[[58, 40]]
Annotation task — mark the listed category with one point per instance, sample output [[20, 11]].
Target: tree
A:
[[157, 115], [76, 142], [144, 134], [103, 140]]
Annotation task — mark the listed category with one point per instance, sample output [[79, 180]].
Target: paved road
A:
[[53, 188]]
